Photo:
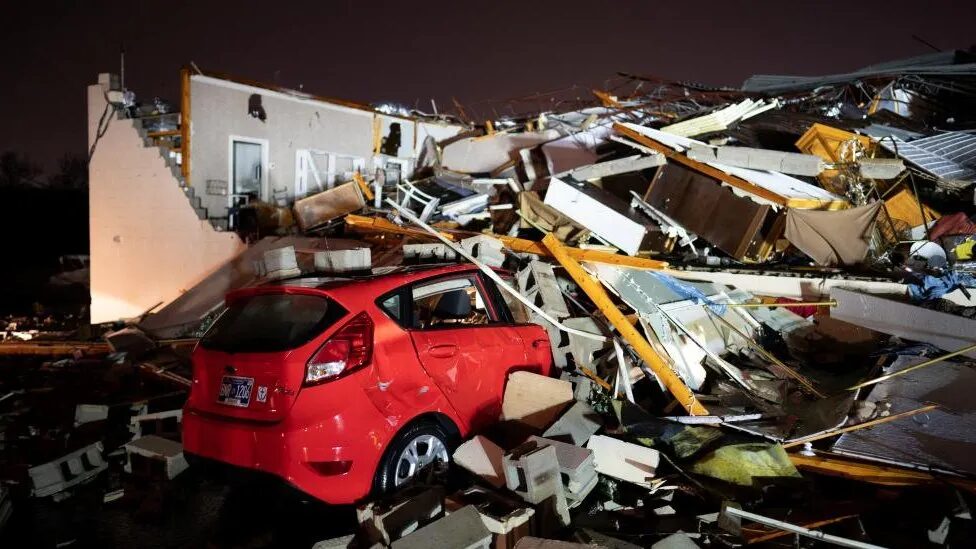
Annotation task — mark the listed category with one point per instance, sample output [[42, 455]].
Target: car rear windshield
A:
[[271, 322]]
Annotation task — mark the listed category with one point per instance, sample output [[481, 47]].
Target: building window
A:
[[316, 171]]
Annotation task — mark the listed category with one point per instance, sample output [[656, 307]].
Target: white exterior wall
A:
[[219, 112], [147, 244]]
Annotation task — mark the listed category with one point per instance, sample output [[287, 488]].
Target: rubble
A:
[[757, 302]]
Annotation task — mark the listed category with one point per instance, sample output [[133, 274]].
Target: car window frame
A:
[[500, 299], [498, 316]]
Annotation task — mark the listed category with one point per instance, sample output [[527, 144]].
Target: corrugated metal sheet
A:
[[942, 439], [947, 156]]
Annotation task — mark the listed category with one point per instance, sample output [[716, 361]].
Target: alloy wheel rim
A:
[[419, 453]]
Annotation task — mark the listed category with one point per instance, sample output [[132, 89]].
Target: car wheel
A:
[[413, 449]]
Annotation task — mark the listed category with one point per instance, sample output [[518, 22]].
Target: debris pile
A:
[[756, 298]]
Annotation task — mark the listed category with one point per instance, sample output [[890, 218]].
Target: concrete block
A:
[[341, 261], [82, 464], [401, 513], [483, 458], [575, 426], [576, 467], [87, 413], [574, 462], [532, 472], [168, 453], [428, 252], [167, 421], [623, 460], [583, 348], [539, 279], [462, 529], [486, 249], [281, 263], [507, 518], [535, 400]]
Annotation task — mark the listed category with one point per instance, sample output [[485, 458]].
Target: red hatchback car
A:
[[346, 386]]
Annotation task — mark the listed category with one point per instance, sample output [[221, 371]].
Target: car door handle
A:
[[446, 350], [540, 343]]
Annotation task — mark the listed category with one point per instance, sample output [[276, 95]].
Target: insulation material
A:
[[832, 238], [744, 464]]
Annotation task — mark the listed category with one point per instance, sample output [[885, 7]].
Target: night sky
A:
[[411, 51]]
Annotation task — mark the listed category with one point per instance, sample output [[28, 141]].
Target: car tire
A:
[[427, 439]]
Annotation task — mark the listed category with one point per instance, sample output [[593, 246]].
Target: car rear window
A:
[[271, 322]]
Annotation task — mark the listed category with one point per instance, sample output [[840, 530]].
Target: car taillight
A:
[[348, 349]]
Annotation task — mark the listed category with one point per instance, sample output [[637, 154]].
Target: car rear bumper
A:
[[318, 459]]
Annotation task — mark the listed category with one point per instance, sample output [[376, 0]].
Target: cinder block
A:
[[486, 249], [623, 460], [462, 529], [576, 467], [401, 513], [422, 252], [87, 413], [341, 261], [155, 449], [281, 262], [576, 426], [483, 458], [532, 472], [507, 518], [50, 478]]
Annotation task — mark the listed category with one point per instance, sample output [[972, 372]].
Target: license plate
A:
[[235, 391]]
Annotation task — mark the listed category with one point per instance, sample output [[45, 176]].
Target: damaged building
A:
[[668, 315]]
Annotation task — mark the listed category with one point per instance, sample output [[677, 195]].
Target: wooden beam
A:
[[164, 133], [53, 348], [737, 182], [599, 296], [858, 426], [520, 245], [379, 224], [873, 473], [185, 124], [606, 99], [363, 186]]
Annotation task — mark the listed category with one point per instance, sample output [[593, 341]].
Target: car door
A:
[[534, 337], [464, 344]]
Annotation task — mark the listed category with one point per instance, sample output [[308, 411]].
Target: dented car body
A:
[[313, 380]]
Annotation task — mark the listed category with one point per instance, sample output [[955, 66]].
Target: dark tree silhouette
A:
[[72, 173], [17, 170]]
